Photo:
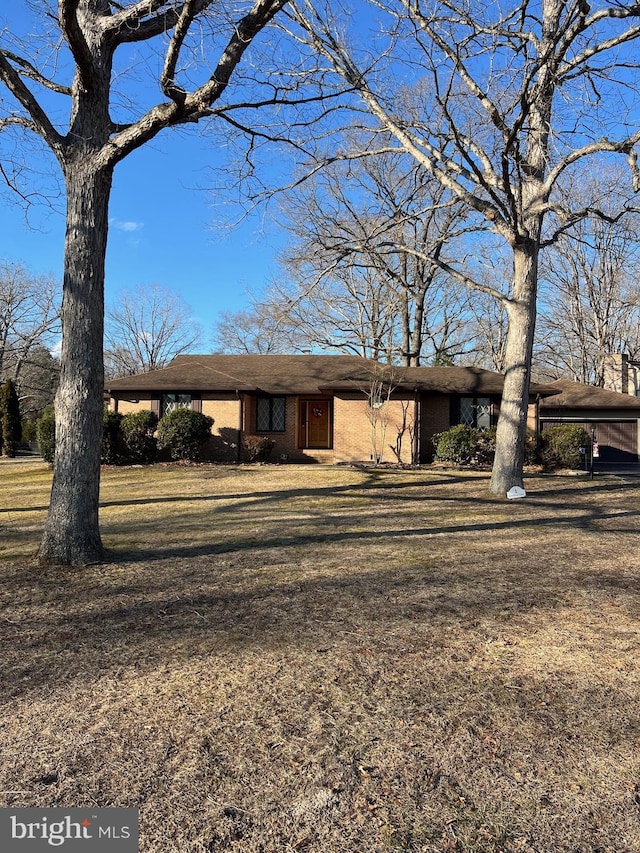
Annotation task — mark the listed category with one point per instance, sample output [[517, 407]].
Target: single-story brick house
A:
[[320, 408]]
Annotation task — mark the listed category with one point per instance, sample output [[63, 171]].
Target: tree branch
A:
[[40, 122], [75, 37], [30, 71], [149, 18], [602, 146], [197, 104]]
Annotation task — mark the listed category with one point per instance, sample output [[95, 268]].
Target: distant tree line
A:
[[146, 326], [353, 278]]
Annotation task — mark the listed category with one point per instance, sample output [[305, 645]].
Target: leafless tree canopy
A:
[[348, 284], [145, 328], [29, 318], [497, 104], [590, 292]]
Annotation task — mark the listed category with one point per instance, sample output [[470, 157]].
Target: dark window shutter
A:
[[155, 405], [454, 410], [196, 402]]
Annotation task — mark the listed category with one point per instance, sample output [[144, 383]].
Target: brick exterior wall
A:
[[285, 449], [225, 411], [125, 407], [352, 430], [354, 434], [434, 418]]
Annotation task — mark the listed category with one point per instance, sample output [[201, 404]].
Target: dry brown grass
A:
[[331, 660]]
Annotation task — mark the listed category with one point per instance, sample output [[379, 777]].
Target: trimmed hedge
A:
[[183, 433], [561, 445], [138, 431]]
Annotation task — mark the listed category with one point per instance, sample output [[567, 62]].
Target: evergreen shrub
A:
[[46, 434], [112, 450], [184, 433], [29, 430], [561, 445], [458, 444], [465, 445], [138, 431], [10, 417]]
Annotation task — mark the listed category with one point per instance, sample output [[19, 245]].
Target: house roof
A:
[[272, 374], [438, 380], [305, 374], [576, 395]]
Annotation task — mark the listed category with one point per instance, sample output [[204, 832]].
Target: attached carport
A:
[[610, 416]]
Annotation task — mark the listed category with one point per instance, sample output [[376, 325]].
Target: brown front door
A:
[[315, 424]]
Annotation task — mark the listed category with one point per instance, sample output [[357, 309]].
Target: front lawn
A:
[[330, 660]]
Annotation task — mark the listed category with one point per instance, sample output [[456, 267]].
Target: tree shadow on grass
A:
[[374, 481], [271, 527], [61, 625], [261, 573]]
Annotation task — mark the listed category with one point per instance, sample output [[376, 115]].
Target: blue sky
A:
[[162, 224], [162, 230]]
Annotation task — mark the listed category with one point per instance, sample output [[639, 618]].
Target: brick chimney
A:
[[616, 373]]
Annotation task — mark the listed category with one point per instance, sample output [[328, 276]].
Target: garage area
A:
[[611, 415], [617, 440]]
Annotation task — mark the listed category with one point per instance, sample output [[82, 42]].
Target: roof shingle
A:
[[305, 374]]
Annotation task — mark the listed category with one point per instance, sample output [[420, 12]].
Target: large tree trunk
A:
[[512, 424], [71, 533]]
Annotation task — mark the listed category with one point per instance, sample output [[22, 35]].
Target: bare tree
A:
[[353, 310], [488, 325], [509, 99], [352, 281], [145, 328], [198, 48], [345, 284], [29, 317], [590, 292], [262, 328], [381, 382]]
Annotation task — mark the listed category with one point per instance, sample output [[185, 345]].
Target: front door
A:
[[315, 424]]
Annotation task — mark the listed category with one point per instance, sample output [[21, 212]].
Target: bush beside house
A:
[[184, 433], [112, 450], [458, 444], [131, 438], [560, 445], [138, 430], [464, 445], [257, 448]]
